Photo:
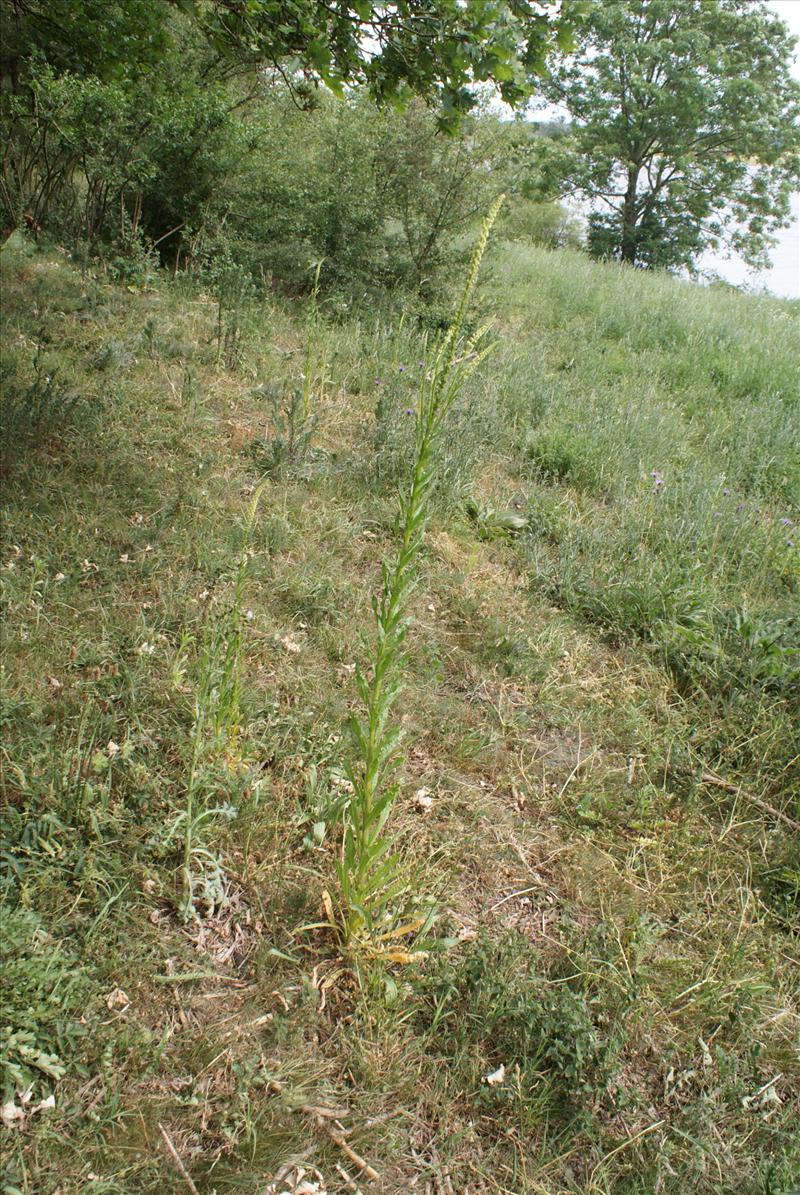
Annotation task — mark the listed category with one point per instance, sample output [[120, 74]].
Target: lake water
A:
[[784, 277]]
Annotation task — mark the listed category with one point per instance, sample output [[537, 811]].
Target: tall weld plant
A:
[[216, 724], [379, 908], [314, 364]]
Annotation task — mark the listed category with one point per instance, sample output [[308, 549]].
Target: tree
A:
[[107, 39], [437, 49], [685, 123], [121, 55]]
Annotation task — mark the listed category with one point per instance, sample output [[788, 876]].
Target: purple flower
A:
[[378, 382], [786, 523], [421, 364], [726, 493], [401, 368], [409, 411]]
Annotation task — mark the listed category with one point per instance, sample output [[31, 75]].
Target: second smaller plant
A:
[[215, 731], [295, 412], [29, 415]]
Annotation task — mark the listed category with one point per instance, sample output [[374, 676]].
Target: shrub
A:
[[549, 225]]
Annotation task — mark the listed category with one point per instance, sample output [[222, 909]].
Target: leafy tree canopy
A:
[[685, 119], [104, 38], [438, 49]]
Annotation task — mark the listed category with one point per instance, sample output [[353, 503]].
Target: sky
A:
[[784, 277], [789, 11]]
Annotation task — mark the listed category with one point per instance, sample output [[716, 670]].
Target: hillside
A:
[[601, 755]]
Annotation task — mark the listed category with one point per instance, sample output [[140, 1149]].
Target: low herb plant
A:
[[31, 414], [379, 907], [556, 1026], [41, 987]]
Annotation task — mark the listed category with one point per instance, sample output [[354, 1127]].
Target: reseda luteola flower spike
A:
[[379, 908]]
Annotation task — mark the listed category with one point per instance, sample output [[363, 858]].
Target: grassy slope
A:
[[567, 689]]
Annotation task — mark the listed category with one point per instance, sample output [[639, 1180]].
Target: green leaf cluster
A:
[[41, 988], [439, 49]]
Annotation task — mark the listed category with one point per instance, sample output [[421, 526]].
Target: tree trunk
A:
[[629, 239]]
